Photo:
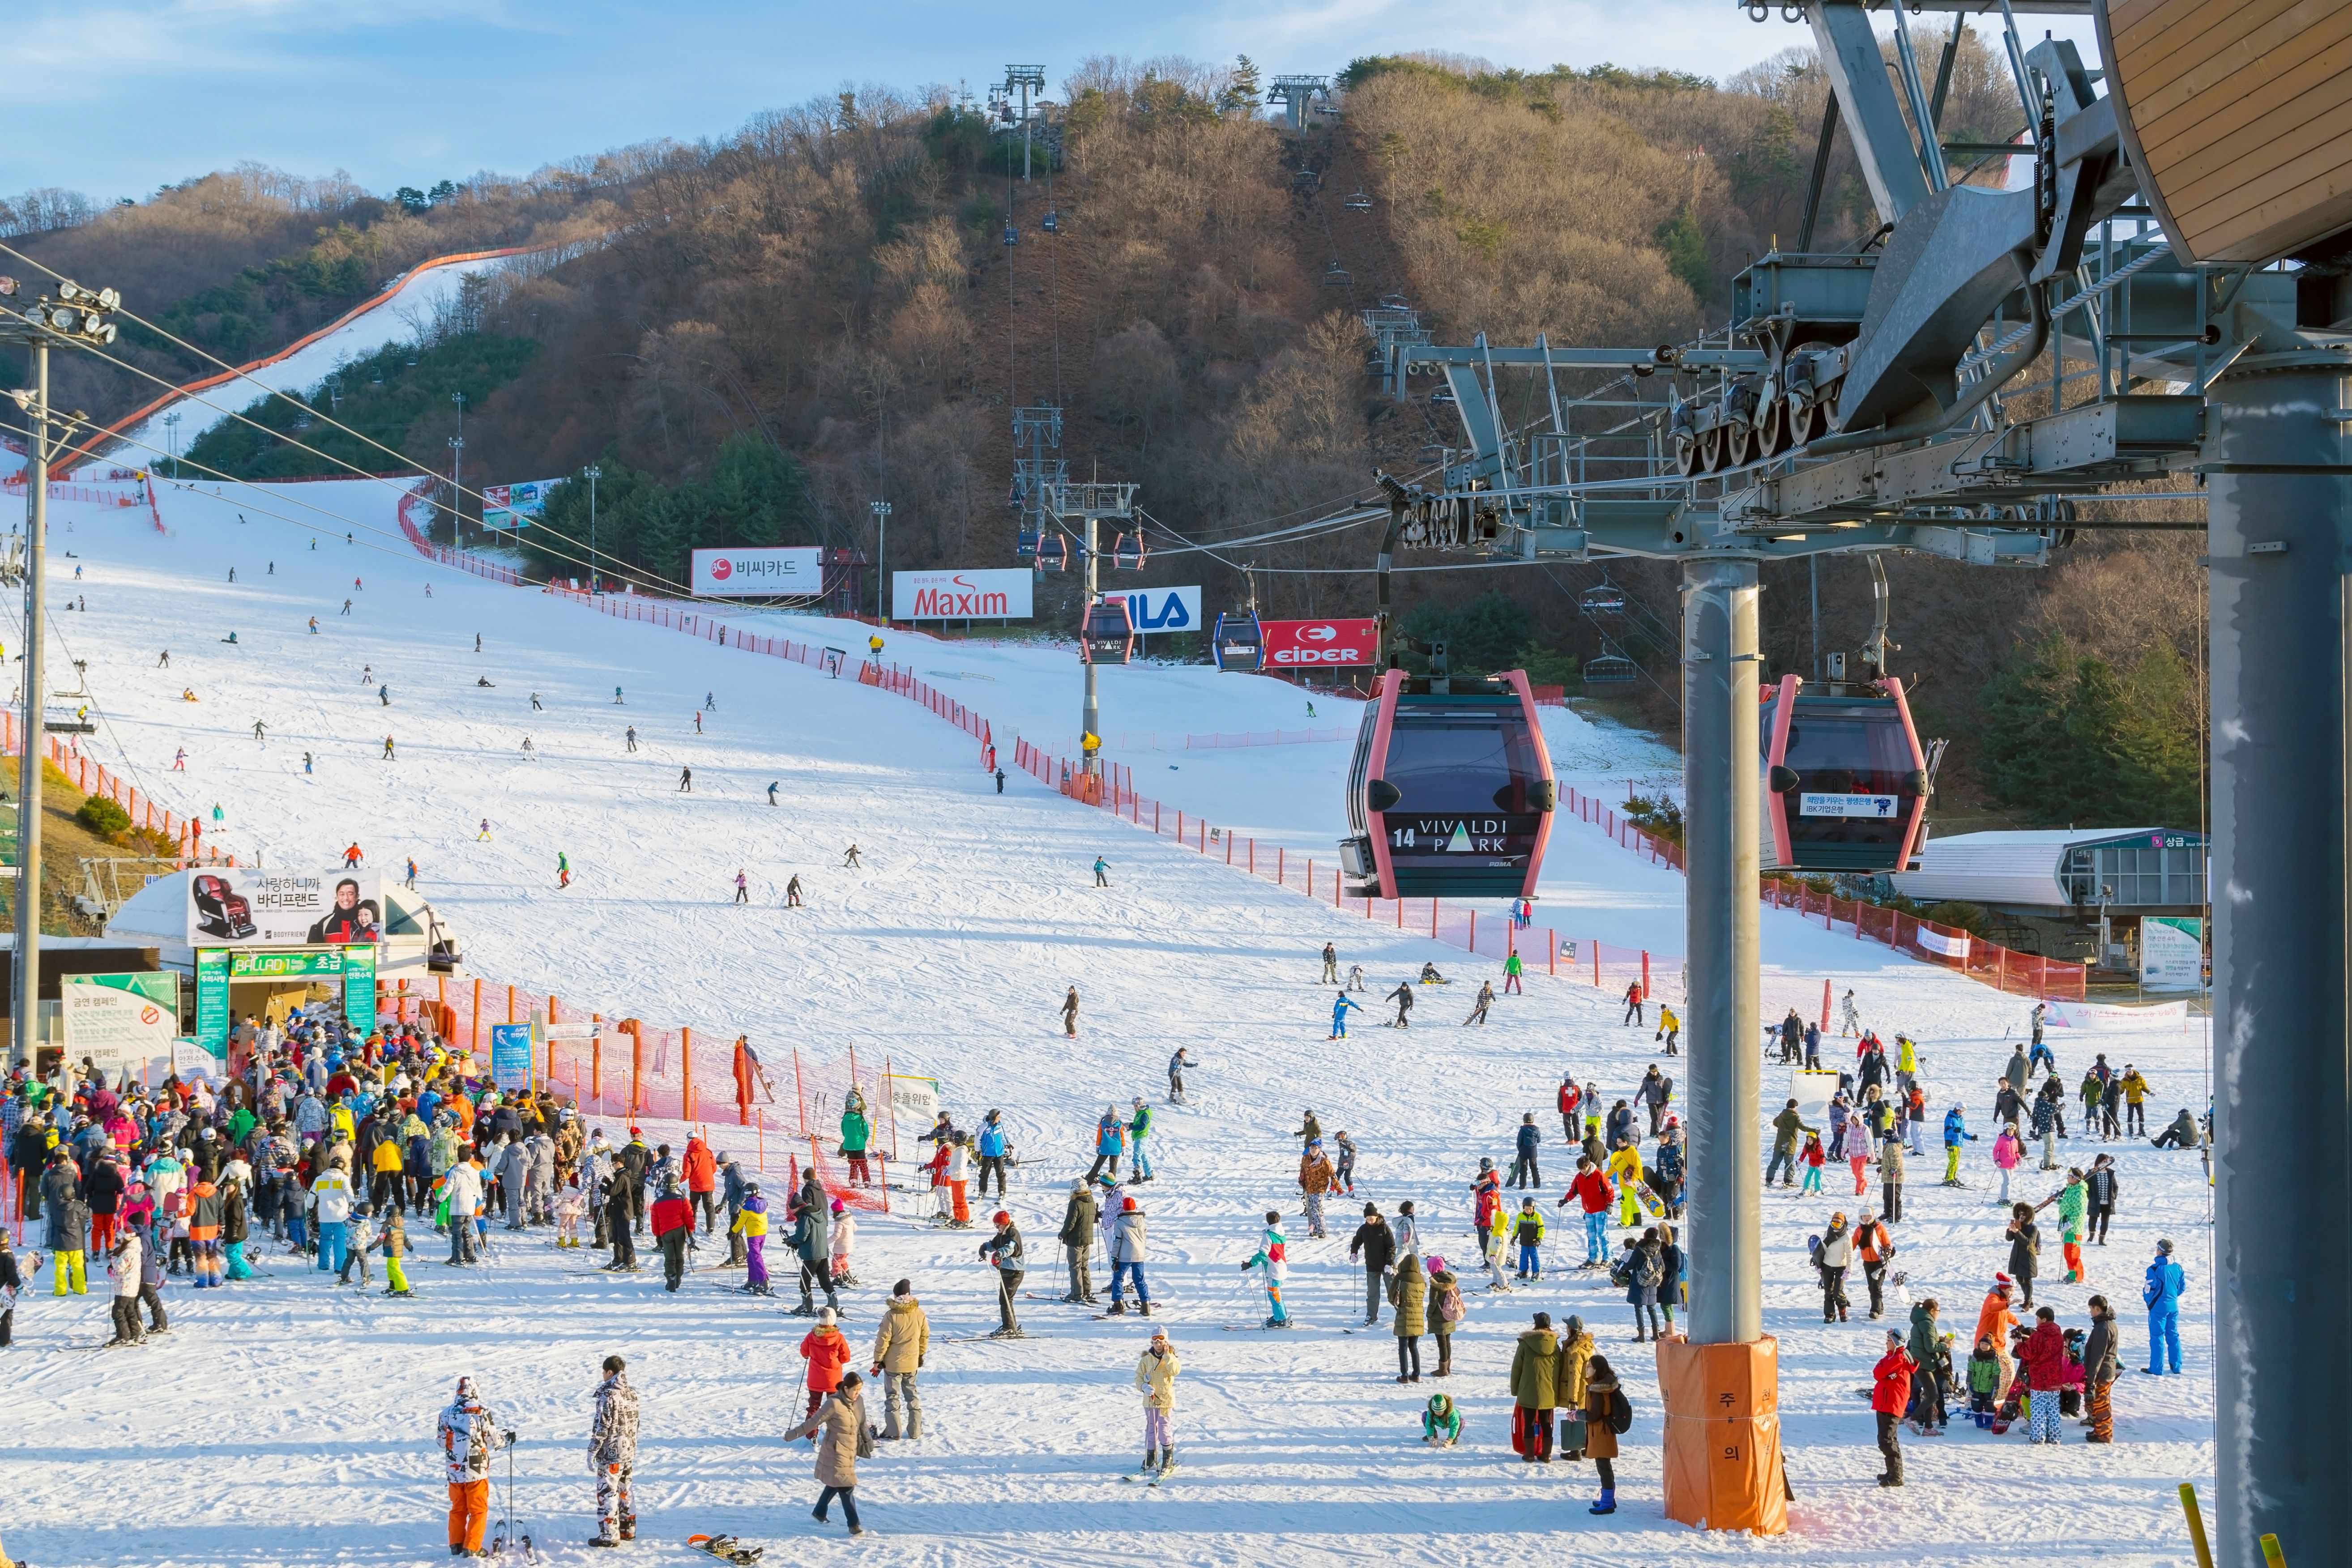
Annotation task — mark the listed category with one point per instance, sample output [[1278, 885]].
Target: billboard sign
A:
[[511, 1055], [244, 906], [515, 506], [1321, 645], [2171, 952], [775, 571], [1162, 609], [974, 595], [119, 1021]]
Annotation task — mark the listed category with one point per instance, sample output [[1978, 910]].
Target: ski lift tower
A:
[[1088, 505], [1295, 93], [1036, 432], [1025, 83]]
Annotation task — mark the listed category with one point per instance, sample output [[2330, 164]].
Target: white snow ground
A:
[[286, 1422]]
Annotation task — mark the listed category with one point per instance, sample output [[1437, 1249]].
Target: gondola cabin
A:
[[1239, 644], [1053, 552], [1845, 781], [1109, 637], [1026, 544], [1451, 792]]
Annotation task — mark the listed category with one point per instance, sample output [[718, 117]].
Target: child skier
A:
[[393, 1245], [845, 1239], [1812, 1160], [571, 1207], [1155, 1374], [1528, 1231], [752, 1225], [1441, 1423], [1272, 1256]]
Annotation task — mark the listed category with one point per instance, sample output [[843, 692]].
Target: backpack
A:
[[1648, 1268], [1620, 1412], [1450, 1308]]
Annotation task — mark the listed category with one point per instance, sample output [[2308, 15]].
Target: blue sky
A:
[[116, 99]]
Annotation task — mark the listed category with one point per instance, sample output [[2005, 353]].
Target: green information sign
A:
[[300, 963], [211, 1000], [358, 988]]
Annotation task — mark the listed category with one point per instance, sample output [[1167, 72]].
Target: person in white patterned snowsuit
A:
[[613, 1455], [469, 1434]]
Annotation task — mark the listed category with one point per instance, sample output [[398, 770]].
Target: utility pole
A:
[[77, 320], [172, 439], [593, 473], [881, 549], [1090, 715], [457, 475]]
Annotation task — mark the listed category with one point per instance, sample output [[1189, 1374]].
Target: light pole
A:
[[593, 473], [881, 542], [77, 319], [172, 439], [456, 490]]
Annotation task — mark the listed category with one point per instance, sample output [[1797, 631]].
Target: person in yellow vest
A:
[[339, 1123], [387, 1162], [751, 1223], [1625, 1171]]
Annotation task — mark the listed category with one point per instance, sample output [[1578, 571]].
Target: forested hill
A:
[[766, 331]]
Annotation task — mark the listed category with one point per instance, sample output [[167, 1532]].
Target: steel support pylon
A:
[[2280, 544], [1720, 821]]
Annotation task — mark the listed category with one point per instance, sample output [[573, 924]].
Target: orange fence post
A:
[[1432, 917], [1825, 1004], [510, 1004], [686, 1072], [1645, 971], [474, 1022], [596, 1063], [636, 1067]]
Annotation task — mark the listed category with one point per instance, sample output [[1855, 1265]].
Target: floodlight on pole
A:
[[593, 473], [881, 542]]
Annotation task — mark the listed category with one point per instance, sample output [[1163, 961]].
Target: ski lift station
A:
[[2054, 888]]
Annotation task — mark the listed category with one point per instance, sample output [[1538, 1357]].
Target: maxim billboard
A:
[[976, 595]]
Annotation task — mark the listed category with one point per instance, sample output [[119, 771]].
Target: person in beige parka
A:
[[842, 1421]]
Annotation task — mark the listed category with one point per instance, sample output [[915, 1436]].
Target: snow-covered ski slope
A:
[[402, 312], [284, 1422]]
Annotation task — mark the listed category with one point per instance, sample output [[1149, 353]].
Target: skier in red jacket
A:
[[1593, 1190], [673, 1219], [1890, 1397]]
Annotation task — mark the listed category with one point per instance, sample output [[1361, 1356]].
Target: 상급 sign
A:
[[1321, 645], [775, 572]]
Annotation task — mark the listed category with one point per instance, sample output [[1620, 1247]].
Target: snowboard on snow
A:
[[726, 1548]]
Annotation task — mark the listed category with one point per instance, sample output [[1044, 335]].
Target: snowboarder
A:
[[1849, 1025], [1000, 780], [1341, 1006], [1155, 1374], [1402, 998], [258, 734], [613, 1455], [179, 761], [686, 780], [1330, 964], [1070, 1013], [484, 835], [1102, 870], [616, 702], [771, 791], [698, 722], [529, 751], [1513, 967], [384, 694], [742, 887], [849, 861], [469, 1434], [1176, 1066], [1485, 1000]]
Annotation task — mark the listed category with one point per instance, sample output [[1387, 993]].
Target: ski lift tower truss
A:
[[1874, 400], [1015, 100], [1036, 434], [1297, 95]]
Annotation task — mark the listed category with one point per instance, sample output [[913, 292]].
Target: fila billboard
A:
[[976, 595], [1321, 645], [778, 572], [1162, 609]]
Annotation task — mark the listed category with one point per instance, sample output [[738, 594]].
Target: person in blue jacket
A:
[[1340, 1008], [1110, 1141], [1956, 1132], [991, 1152], [2162, 1294]]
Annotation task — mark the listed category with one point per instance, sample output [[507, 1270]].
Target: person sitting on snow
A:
[[1441, 1423], [1430, 977]]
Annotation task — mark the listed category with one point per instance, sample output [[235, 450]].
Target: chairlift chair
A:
[[1052, 551], [1026, 544], [1239, 642], [1605, 599], [1052, 222], [1108, 636], [1305, 179], [1609, 670], [1011, 235], [1845, 781], [1451, 791], [1360, 202], [1336, 276]]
